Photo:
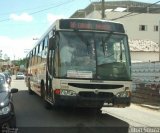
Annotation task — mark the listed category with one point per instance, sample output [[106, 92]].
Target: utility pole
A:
[[159, 39], [103, 10]]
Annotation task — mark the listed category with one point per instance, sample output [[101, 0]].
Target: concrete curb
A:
[[150, 106]]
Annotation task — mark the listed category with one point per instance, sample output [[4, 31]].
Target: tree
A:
[[6, 57]]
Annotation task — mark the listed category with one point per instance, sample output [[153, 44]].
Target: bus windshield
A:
[[93, 55]]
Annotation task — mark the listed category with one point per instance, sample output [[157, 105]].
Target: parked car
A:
[[8, 77], [20, 75], [7, 114]]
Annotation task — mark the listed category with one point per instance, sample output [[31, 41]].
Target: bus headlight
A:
[[5, 110], [123, 94], [68, 93]]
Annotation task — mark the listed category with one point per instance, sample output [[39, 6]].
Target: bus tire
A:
[[42, 90], [55, 106], [30, 91], [47, 105]]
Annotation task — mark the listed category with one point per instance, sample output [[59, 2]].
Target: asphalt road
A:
[[33, 117]]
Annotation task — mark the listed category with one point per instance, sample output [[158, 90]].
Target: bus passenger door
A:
[[50, 70]]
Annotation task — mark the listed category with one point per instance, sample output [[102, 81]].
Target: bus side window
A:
[[44, 49], [40, 51], [51, 62], [52, 40], [35, 55], [31, 58], [45, 46], [51, 48], [27, 61]]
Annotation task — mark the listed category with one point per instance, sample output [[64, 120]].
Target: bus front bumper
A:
[[78, 101]]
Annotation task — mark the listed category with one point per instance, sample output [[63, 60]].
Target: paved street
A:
[[31, 114]]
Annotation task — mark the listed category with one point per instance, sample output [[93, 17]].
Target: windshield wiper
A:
[[105, 41], [83, 39]]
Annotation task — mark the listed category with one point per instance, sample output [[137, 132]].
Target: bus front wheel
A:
[[47, 105], [30, 91]]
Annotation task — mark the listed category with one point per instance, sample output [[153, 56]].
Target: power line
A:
[[40, 6], [42, 10], [26, 9], [129, 14], [51, 7]]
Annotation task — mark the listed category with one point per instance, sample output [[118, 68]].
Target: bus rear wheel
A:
[[42, 91], [29, 87]]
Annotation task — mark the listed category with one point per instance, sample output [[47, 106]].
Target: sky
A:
[[22, 21]]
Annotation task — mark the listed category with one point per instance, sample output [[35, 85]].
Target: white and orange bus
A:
[[83, 63]]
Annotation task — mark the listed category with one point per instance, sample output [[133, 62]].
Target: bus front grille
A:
[[95, 86]]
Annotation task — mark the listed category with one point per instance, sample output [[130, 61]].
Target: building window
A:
[[143, 28], [155, 27]]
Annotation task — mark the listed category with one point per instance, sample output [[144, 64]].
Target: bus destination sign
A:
[[83, 24]]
